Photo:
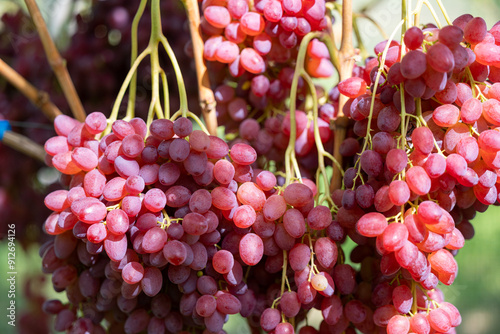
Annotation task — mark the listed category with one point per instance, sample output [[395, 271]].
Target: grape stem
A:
[[164, 84], [319, 144], [290, 150], [445, 14], [206, 95], [24, 145], [133, 56], [283, 272], [418, 9], [180, 81], [57, 63], [157, 72], [39, 98]]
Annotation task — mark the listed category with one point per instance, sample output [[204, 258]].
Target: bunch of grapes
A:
[[426, 165], [251, 37], [148, 217]]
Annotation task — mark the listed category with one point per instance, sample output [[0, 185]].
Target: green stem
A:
[[178, 75], [283, 272], [418, 107], [404, 14], [156, 31], [133, 56], [198, 121], [290, 150], [433, 12], [414, 293], [317, 138], [151, 113], [445, 14], [164, 84], [155, 73]]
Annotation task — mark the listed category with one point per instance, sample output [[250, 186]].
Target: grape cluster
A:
[[426, 165], [251, 37], [144, 213]]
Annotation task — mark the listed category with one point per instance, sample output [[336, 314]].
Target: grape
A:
[[154, 240], [448, 94], [244, 216], [326, 252], [371, 163], [398, 324], [251, 249], [114, 189], [413, 64], [133, 272], [413, 38], [331, 309], [396, 160], [237, 8], [223, 261], [439, 320], [456, 165], [217, 16], [243, 154], [446, 115], [227, 52], [250, 194], [294, 223], [262, 43], [442, 261], [299, 255], [451, 36], [155, 200], [206, 305], [399, 192], [319, 217], [64, 163], [475, 30], [355, 311], [417, 180], [228, 304], [297, 194], [371, 224], [352, 87], [96, 233], [89, 210]]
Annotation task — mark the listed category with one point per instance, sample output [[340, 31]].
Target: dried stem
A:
[[57, 63], [346, 60], [24, 145], [39, 98], [206, 95]]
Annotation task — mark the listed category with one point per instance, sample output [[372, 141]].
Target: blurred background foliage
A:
[[476, 291]]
